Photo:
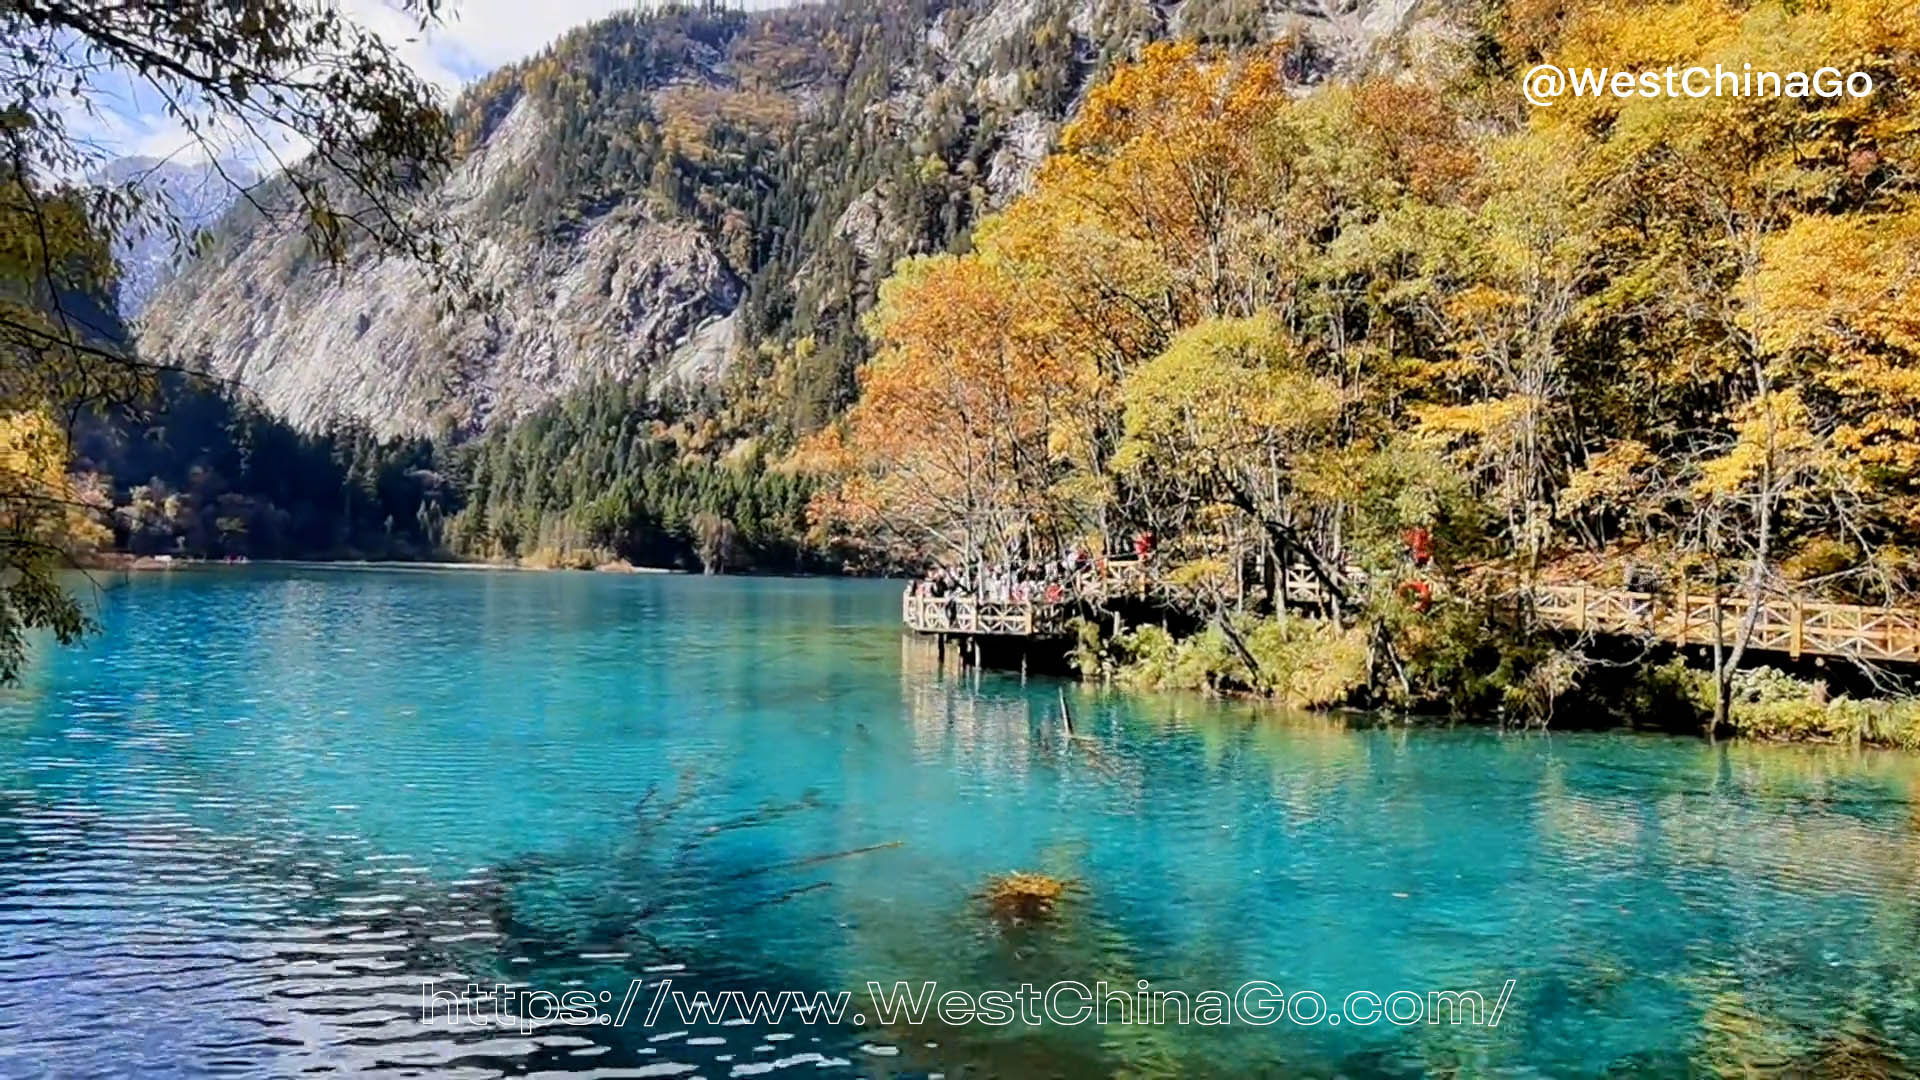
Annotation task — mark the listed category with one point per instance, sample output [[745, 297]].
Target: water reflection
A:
[[247, 858]]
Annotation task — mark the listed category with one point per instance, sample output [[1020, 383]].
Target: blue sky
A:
[[476, 36]]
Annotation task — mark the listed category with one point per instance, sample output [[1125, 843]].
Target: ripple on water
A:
[[240, 828]]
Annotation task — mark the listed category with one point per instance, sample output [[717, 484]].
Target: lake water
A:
[[242, 825]]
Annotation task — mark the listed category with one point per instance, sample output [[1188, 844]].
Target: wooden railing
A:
[[1796, 627], [968, 615], [1793, 626], [1304, 587]]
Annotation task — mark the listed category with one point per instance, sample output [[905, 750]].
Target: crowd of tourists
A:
[[1040, 582], [1048, 583]]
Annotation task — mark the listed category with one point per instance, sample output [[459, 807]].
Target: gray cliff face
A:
[[624, 296], [632, 292]]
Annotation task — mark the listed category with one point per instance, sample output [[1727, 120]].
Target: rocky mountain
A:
[[195, 195], [628, 292], [678, 194]]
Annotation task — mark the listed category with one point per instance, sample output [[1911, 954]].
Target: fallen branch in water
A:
[[1094, 756], [786, 896], [766, 814], [684, 794], [1086, 743], [812, 860]]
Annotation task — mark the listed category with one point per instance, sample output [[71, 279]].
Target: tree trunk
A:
[[1722, 670], [1286, 541], [1240, 649], [1383, 648]]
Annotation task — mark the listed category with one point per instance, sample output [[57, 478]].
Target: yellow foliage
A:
[[690, 113], [1225, 387], [1847, 285], [1477, 432], [1774, 443], [1844, 294], [1611, 478], [37, 497]]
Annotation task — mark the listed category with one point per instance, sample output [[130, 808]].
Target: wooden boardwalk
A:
[[1793, 627], [1796, 627]]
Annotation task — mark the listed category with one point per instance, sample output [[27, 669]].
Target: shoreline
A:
[[1776, 699], [1594, 712], [151, 564]]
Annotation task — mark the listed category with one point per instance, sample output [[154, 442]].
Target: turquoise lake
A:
[[242, 824]]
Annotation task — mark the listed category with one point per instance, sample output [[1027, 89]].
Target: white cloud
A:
[[477, 36], [473, 38]]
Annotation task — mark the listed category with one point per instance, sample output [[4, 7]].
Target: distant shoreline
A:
[[123, 562]]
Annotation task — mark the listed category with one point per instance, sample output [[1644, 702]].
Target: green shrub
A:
[[1768, 703], [1205, 661], [1144, 656], [1304, 662], [1089, 655], [1307, 663], [1474, 659], [1884, 722], [1672, 693]]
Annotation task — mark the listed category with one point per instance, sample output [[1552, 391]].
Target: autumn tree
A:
[[961, 446], [1229, 422], [1518, 269]]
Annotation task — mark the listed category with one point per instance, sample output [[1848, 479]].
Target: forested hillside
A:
[[667, 190], [697, 201], [607, 474]]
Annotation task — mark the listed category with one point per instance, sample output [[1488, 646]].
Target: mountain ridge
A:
[[194, 195]]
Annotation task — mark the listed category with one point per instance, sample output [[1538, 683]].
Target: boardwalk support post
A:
[[1799, 630]]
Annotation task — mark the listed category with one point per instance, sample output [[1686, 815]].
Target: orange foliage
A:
[[953, 443], [690, 113]]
